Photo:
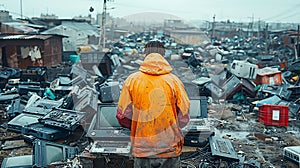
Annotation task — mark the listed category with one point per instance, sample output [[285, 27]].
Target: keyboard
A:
[[222, 146], [102, 144], [110, 147]]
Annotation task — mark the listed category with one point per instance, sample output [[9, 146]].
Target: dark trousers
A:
[[157, 162]]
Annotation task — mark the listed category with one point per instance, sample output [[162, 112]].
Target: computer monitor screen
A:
[[195, 108], [107, 116], [46, 152], [24, 161], [24, 119], [54, 153]]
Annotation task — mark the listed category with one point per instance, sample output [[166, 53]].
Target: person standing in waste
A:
[[154, 105]]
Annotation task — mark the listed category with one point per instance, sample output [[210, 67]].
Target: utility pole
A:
[[21, 8], [266, 39], [241, 30], [213, 28], [252, 25], [298, 40], [258, 31], [102, 32]]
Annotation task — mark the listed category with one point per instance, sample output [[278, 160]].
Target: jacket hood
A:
[[155, 64]]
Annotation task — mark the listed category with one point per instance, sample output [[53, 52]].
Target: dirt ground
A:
[[255, 140], [249, 137]]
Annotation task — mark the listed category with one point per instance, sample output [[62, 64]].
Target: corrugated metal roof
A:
[[15, 24], [23, 36], [68, 28], [25, 27], [82, 26]]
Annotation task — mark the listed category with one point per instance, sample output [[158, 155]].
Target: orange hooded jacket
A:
[[154, 105]]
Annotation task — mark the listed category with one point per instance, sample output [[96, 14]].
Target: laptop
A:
[[108, 136], [198, 113], [197, 131]]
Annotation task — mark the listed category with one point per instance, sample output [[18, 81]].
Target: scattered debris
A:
[[244, 106]]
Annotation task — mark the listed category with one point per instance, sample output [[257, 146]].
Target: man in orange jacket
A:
[[154, 105]]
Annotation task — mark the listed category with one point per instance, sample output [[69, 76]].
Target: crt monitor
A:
[[198, 107], [45, 153], [105, 125], [53, 153], [107, 116], [24, 161]]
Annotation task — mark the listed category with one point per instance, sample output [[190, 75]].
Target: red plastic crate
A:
[[273, 115]]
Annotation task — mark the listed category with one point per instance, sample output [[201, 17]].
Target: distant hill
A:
[[150, 17]]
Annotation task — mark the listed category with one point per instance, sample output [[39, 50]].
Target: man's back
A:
[[154, 105]]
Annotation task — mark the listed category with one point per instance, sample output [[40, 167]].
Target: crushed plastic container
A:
[[267, 75]]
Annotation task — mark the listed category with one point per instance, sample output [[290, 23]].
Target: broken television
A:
[[107, 116], [105, 124], [45, 153], [24, 161]]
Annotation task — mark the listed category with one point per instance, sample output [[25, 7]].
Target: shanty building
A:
[[21, 51]]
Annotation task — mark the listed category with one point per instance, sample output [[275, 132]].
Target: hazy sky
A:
[[234, 10]]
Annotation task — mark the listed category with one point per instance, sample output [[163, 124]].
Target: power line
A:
[[294, 14], [14, 13], [294, 8], [151, 8]]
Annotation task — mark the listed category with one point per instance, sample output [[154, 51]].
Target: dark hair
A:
[[155, 47]]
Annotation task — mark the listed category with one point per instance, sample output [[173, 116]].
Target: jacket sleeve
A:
[[183, 105], [125, 118], [183, 120], [124, 112]]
